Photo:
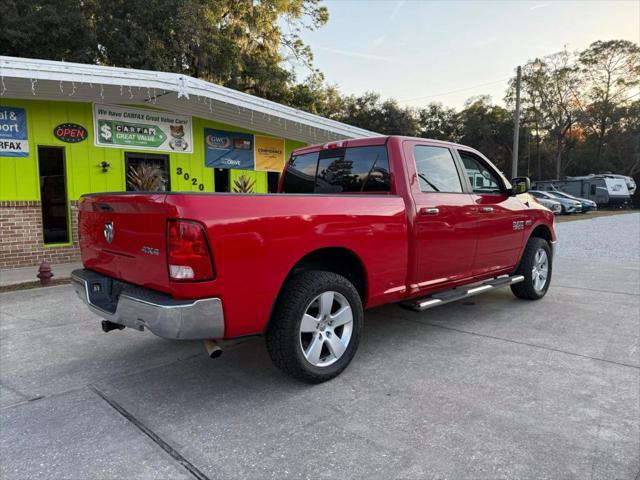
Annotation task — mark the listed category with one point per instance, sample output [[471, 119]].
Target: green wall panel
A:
[[19, 176]]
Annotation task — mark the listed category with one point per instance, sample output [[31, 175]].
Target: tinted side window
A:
[[357, 169], [436, 169], [481, 178], [300, 174]]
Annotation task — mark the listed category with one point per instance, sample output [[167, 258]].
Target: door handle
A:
[[429, 211], [486, 210]]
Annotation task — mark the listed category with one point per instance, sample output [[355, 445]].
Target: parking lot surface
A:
[[494, 387]]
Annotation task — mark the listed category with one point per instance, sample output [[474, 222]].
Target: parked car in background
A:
[[568, 206], [357, 223], [553, 205], [587, 205]]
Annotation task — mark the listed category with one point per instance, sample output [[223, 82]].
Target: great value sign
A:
[[133, 128], [13, 132]]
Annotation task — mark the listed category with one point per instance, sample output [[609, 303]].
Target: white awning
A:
[[51, 80]]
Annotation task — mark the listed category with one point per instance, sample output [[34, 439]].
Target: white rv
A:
[[606, 190]]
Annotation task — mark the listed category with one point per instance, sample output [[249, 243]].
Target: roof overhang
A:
[[52, 80]]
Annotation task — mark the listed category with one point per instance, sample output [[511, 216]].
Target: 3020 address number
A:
[[194, 181]]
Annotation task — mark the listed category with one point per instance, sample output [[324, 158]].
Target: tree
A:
[[388, 118], [56, 30], [236, 43], [611, 70], [548, 88], [487, 127], [438, 122]]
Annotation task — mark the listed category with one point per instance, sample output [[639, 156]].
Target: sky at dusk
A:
[[423, 51]]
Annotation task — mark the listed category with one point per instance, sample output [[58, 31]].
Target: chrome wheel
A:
[[540, 270], [325, 329]]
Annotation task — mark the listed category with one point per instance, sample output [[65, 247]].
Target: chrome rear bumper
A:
[[141, 308]]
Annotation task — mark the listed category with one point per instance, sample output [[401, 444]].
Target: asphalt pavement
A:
[[490, 388]]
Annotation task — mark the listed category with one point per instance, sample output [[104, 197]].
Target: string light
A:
[[101, 92], [33, 86], [120, 90], [73, 88], [61, 88], [130, 93], [4, 87]]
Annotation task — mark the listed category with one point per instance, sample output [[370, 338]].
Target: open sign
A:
[[70, 132]]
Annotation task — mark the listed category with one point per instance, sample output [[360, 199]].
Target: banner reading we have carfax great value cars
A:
[[125, 127], [13, 132]]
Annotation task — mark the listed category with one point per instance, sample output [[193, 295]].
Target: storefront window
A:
[[147, 172], [53, 195]]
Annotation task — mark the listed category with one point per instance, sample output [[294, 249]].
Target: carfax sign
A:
[[124, 127], [13, 132], [228, 149]]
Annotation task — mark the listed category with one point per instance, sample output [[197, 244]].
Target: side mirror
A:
[[520, 185]]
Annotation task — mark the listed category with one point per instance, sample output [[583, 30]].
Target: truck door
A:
[[445, 219], [501, 217]]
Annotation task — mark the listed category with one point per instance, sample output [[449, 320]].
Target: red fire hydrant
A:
[[44, 274]]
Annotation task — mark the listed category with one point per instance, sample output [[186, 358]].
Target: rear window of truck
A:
[[343, 170]]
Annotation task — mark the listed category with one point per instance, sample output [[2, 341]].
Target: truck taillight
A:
[[188, 251]]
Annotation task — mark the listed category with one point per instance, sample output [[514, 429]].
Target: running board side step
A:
[[456, 294]]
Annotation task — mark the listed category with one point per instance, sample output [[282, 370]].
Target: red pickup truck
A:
[[356, 224]]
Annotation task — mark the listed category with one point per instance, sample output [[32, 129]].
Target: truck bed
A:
[[255, 241]]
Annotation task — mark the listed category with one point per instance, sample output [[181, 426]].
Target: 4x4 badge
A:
[[108, 232]]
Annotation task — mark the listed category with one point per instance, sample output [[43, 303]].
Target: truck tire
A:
[[536, 267], [316, 326]]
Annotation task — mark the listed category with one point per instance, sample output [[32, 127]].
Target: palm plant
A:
[[243, 185], [145, 178]]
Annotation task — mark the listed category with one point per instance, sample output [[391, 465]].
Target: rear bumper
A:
[[141, 308]]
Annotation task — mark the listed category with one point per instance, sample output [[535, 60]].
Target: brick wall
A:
[[21, 241]]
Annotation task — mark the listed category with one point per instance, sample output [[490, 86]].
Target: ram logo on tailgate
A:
[[108, 232]]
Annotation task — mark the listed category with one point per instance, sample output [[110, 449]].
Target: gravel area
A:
[[584, 239]]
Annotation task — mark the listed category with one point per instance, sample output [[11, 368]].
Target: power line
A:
[[456, 91]]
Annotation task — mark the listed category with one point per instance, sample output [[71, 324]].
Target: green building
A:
[[70, 129]]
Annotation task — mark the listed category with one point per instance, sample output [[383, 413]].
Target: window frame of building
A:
[[164, 157], [45, 241]]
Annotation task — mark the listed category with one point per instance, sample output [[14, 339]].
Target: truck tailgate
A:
[[124, 236]]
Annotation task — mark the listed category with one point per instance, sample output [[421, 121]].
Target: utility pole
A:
[[516, 126]]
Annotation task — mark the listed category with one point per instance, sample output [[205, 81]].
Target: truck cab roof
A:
[[372, 141]]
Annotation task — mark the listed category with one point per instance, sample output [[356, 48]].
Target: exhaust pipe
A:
[[107, 326], [213, 349]]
